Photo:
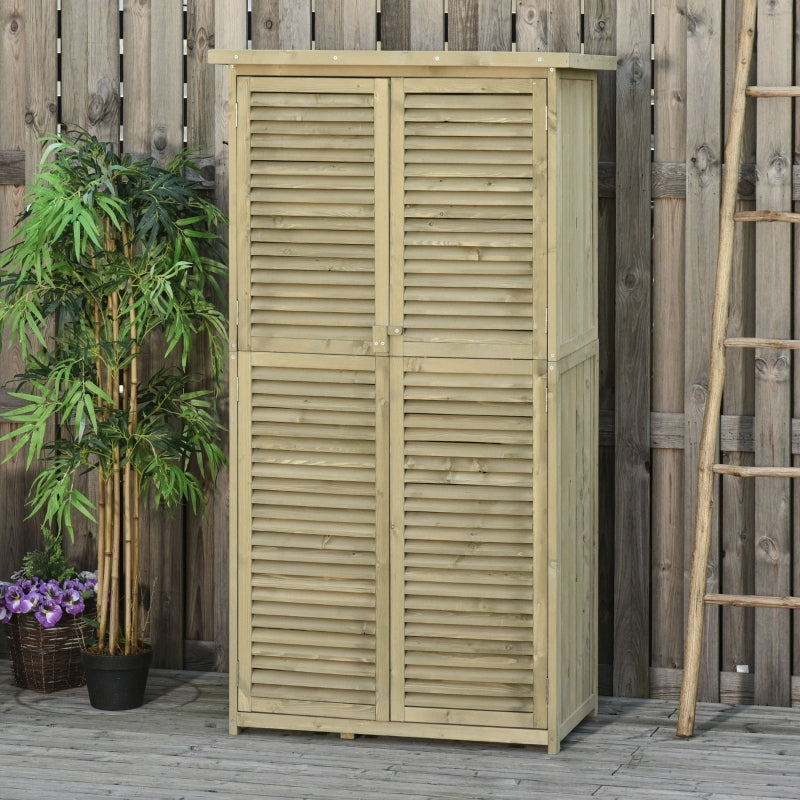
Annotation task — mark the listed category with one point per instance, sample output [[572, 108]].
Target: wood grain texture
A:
[[633, 282], [551, 25], [738, 496], [668, 330], [182, 748], [773, 314], [202, 594], [18, 533], [137, 25], [230, 30], [479, 25], [600, 38], [282, 24], [346, 25], [74, 64], [102, 113], [795, 411], [704, 143], [412, 25], [12, 167]]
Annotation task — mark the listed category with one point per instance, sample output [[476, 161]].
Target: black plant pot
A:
[[116, 683]]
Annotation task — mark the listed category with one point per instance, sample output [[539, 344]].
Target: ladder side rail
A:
[[716, 378]]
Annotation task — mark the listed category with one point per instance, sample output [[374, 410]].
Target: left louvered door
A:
[[312, 385]]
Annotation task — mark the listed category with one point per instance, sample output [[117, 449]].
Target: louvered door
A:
[[313, 422], [469, 642]]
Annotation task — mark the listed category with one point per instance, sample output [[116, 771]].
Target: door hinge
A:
[[546, 318], [237, 314], [237, 389]]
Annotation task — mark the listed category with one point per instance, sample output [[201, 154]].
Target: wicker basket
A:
[[47, 659]]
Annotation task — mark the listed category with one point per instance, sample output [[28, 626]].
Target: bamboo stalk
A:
[[103, 555], [716, 378], [135, 635], [113, 611]]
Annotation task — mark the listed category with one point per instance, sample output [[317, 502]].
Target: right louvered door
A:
[[468, 427]]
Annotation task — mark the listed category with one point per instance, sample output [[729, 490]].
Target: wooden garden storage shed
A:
[[414, 368]]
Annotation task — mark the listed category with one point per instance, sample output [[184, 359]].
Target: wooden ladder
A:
[[698, 597]]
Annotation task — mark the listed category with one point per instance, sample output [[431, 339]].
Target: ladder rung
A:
[[773, 91], [752, 601], [751, 341], [756, 472], [767, 216]]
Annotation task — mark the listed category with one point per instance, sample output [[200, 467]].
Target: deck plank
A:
[[177, 745]]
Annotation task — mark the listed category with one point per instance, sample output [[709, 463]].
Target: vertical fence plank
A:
[[479, 25], [281, 24], [796, 379], [166, 85], [668, 328], [74, 112], [103, 107], [553, 25], [738, 494], [346, 25], [164, 529], [703, 154], [601, 39], [136, 116], [18, 536], [74, 64], [199, 540], [773, 378], [412, 25], [230, 32], [632, 534]]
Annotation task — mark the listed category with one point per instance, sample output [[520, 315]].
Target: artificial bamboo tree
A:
[[111, 254]]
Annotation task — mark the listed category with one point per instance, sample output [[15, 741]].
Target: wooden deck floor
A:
[[177, 747]]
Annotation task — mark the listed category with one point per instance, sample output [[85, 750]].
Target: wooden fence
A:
[[140, 74]]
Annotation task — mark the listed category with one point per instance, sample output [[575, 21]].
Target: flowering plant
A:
[[47, 600], [46, 586]]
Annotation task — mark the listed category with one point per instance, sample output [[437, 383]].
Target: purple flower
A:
[[89, 581], [72, 601], [51, 591], [48, 613], [5, 614], [17, 600]]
